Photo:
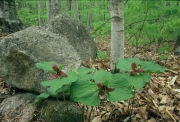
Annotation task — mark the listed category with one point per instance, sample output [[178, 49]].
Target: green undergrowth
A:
[[86, 85]]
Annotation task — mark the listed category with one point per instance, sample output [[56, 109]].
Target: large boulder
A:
[[21, 50], [77, 35]]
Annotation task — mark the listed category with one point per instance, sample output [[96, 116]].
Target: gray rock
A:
[[177, 44], [177, 51], [20, 51], [77, 35], [56, 111], [18, 108]]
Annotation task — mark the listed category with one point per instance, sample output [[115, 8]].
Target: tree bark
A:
[[76, 16], [39, 12], [9, 20], [53, 8], [116, 9], [68, 6], [89, 19]]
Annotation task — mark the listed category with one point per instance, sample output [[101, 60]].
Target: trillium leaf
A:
[[152, 67], [125, 63], [82, 71], [138, 81], [41, 96], [85, 92], [122, 89], [57, 83], [45, 65], [102, 76], [63, 88], [85, 73]]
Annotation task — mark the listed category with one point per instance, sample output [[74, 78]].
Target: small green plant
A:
[[139, 71], [163, 49], [101, 54], [86, 85]]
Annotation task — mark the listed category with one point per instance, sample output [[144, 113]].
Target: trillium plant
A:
[[86, 85]]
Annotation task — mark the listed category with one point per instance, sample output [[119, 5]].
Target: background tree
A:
[[53, 8], [39, 12], [76, 15], [9, 20], [68, 6], [89, 19], [116, 8]]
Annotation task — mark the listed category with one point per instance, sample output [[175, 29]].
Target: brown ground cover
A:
[[158, 101]]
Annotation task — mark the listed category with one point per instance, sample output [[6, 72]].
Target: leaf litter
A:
[[158, 101]]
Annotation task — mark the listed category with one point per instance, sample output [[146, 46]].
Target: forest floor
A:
[[158, 101]]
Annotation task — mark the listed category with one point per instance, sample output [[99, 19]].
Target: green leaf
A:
[[57, 83], [102, 76], [125, 64], [177, 29], [163, 57], [63, 88], [152, 67], [152, 29], [85, 92], [167, 12], [161, 50], [83, 71], [166, 45], [138, 81], [47, 66], [41, 96], [101, 54], [122, 89]]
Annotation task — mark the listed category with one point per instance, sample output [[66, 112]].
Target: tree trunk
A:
[[9, 21], [116, 9], [76, 16], [53, 8], [68, 6], [89, 19], [39, 12]]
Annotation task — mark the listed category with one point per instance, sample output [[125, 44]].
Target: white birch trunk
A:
[[116, 9]]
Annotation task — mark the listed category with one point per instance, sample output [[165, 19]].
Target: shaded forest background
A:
[[146, 22]]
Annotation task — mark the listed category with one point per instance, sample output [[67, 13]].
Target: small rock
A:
[[56, 111], [18, 108]]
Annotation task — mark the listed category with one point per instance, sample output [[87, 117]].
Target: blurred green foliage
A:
[[145, 20]]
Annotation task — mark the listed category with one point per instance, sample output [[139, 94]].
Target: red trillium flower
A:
[[135, 70], [133, 66], [57, 72], [103, 89]]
